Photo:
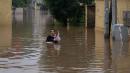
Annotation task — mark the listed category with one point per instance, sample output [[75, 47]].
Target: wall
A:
[[99, 14], [122, 5], [5, 12], [5, 23]]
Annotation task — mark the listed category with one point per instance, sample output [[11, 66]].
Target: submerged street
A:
[[81, 50]]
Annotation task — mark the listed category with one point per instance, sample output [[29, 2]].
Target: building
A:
[[123, 13], [5, 12], [5, 23]]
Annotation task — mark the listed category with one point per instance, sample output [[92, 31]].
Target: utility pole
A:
[[106, 20], [114, 12]]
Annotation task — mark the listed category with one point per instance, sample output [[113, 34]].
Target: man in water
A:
[[53, 37]]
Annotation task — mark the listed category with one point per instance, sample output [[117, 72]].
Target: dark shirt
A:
[[50, 39]]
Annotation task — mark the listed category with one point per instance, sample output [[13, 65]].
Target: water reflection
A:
[[116, 57], [5, 36], [5, 43], [107, 56], [120, 57], [26, 44], [75, 55], [121, 48], [80, 51]]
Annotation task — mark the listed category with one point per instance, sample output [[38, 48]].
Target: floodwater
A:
[[80, 50]]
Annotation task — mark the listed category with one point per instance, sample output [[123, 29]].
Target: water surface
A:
[[80, 51]]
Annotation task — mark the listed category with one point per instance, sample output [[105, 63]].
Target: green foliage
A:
[[19, 3], [68, 9], [89, 2], [64, 9]]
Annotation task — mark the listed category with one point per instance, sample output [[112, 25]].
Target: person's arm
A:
[[57, 38], [58, 34]]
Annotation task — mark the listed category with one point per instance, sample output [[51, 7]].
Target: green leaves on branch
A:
[[64, 9], [89, 2], [19, 3]]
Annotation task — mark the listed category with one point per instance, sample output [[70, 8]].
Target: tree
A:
[[64, 9], [89, 2], [19, 3]]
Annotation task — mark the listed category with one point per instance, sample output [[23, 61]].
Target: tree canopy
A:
[[19, 3], [64, 9], [89, 2], [67, 9]]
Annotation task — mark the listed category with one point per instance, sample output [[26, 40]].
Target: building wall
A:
[[99, 14], [5, 23], [5, 12], [122, 5]]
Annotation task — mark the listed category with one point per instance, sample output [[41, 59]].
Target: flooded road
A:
[[80, 51]]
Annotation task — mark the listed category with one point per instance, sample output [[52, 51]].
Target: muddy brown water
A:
[[80, 50]]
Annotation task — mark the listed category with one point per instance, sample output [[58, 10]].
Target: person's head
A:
[[52, 32]]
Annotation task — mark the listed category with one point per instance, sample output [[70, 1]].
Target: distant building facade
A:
[[123, 13], [5, 23], [5, 12]]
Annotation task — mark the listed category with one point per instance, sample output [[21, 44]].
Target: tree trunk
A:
[[65, 21]]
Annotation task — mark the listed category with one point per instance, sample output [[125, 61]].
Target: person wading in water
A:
[[54, 37]]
